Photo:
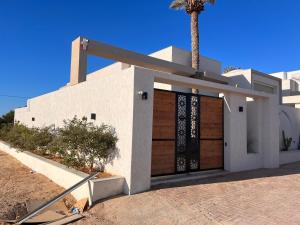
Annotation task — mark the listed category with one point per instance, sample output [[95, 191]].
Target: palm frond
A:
[[178, 4]]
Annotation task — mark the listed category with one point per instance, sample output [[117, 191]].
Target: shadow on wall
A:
[[290, 129], [113, 154], [240, 81], [289, 169]]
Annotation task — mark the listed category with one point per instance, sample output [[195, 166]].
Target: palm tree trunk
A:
[[195, 42]]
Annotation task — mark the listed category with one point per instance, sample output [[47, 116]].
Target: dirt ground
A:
[[266, 196], [18, 184]]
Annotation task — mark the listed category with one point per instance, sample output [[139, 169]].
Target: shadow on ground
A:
[[284, 170]]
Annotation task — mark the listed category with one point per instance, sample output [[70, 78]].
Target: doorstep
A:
[[187, 177]]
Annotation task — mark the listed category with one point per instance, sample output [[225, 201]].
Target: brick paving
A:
[[267, 196]]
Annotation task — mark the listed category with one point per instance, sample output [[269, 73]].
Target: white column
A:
[[78, 62], [142, 132], [235, 132], [270, 137]]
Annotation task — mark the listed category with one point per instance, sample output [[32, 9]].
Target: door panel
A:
[[163, 157], [164, 115], [211, 154], [163, 134], [211, 133], [211, 124]]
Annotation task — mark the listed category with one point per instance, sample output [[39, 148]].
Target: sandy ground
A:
[[19, 185], [267, 196]]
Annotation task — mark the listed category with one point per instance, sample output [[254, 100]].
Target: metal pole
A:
[[54, 200]]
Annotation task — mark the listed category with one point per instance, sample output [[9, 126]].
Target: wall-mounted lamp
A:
[[143, 94], [93, 116], [241, 109]]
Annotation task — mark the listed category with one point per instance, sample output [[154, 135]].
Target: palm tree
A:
[[193, 8]]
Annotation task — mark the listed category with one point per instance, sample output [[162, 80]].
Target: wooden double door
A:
[[187, 133]]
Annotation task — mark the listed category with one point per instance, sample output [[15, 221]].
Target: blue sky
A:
[[35, 37]]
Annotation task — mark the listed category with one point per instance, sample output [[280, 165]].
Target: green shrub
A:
[[41, 139], [24, 138], [21, 137], [85, 144], [79, 144], [100, 145], [4, 129]]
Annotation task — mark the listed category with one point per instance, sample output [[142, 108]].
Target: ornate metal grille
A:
[[194, 134], [187, 133], [181, 133]]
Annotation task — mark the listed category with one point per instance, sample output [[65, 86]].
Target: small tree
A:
[[100, 144], [83, 143], [42, 138], [8, 118]]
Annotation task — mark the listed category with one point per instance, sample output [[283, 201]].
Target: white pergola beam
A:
[[125, 56], [81, 47]]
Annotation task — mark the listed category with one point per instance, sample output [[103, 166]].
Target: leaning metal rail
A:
[[54, 200]]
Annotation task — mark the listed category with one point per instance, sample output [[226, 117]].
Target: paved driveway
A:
[[256, 197]]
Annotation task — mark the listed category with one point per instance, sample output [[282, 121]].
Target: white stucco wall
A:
[[237, 126], [289, 157], [142, 131], [280, 75], [240, 78], [290, 123], [115, 100], [184, 57], [110, 96], [287, 75], [254, 122], [247, 78]]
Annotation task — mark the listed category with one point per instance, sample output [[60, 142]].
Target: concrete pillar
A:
[[78, 62], [235, 132], [142, 132], [270, 137]]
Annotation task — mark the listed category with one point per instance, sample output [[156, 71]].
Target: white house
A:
[[290, 87], [162, 127], [285, 86], [256, 80]]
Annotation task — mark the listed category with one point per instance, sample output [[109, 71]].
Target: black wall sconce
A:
[[33, 119], [241, 109], [93, 116], [143, 94]]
